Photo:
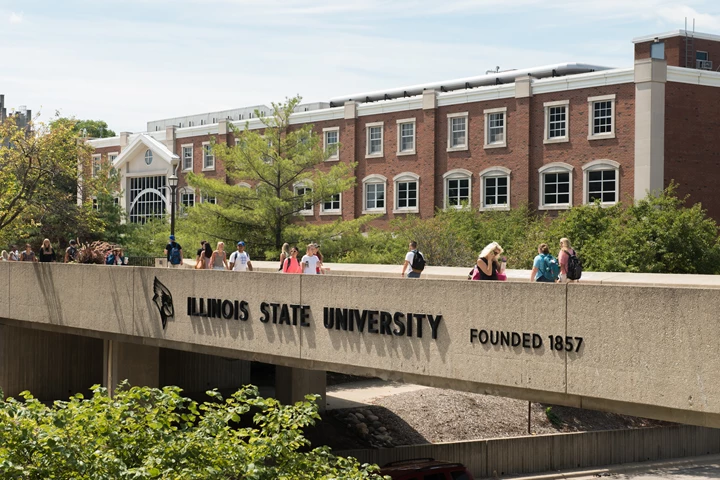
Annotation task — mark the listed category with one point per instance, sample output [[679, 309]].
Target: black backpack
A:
[[418, 262], [574, 267]]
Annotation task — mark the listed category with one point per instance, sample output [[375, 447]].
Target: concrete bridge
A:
[[647, 347]]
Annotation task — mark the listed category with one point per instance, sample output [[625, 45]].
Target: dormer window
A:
[[148, 157]]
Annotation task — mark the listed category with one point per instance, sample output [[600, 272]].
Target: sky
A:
[[131, 61]]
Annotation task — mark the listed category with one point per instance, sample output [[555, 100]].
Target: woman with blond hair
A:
[[219, 258], [284, 253], [47, 254], [564, 258], [487, 262]]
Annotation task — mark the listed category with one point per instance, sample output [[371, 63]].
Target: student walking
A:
[[28, 255], [284, 253], [291, 264], [487, 262], [173, 253], [71, 252], [310, 262], [545, 266], [415, 260], [563, 259], [240, 260], [219, 258], [47, 254]]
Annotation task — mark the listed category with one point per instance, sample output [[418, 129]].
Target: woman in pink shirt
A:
[[563, 258], [291, 264]]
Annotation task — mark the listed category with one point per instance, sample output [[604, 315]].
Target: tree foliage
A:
[[146, 433], [274, 162], [87, 128]]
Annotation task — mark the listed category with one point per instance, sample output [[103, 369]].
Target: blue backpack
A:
[[175, 254], [551, 267]]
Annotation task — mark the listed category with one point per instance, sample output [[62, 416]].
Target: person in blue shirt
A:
[[539, 265]]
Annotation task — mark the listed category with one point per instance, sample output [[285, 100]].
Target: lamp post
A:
[[173, 182]]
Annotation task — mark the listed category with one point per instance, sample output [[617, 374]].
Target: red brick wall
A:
[[579, 150], [692, 151], [675, 51]]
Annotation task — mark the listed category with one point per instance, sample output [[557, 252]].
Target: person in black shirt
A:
[[487, 261], [47, 254], [173, 252]]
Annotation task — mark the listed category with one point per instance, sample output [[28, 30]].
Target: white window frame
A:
[[186, 191], [456, 174], [494, 172], [399, 124], [495, 111], [374, 179], [335, 156], [331, 211], [546, 135], [306, 186], [368, 128], [192, 154], [96, 165], [243, 185], [458, 148], [205, 147], [111, 160], [406, 177], [599, 165], [591, 117], [555, 167], [204, 198], [95, 204]]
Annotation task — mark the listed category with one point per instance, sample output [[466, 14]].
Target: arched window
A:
[[243, 185], [406, 193], [147, 198], [148, 157], [495, 189], [458, 188], [556, 181], [601, 181], [374, 194]]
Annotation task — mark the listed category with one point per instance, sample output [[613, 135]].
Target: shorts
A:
[[563, 277], [413, 275]]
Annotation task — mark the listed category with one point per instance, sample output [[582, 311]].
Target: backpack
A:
[[175, 254], [574, 267], [474, 273], [110, 259], [551, 268], [72, 254], [418, 262]]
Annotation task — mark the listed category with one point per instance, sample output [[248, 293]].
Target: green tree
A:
[[286, 167], [38, 175], [86, 128], [145, 433]]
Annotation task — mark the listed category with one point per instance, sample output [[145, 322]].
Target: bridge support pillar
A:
[[139, 364], [292, 384]]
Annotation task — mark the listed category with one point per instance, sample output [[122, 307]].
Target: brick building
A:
[[552, 137]]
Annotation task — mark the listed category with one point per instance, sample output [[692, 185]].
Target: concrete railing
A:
[[545, 453], [634, 348]]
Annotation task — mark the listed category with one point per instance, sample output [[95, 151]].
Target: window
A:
[[495, 189], [267, 158], [191, 123], [406, 192], [208, 157], [331, 205], [457, 131], [187, 198], [147, 198], [112, 157], [202, 122], [601, 182], [495, 127], [555, 186], [657, 50], [374, 139], [457, 188], [331, 138], [406, 136], [187, 157], [307, 207], [148, 157], [556, 125], [96, 162], [206, 198], [374, 194], [602, 117], [95, 204]]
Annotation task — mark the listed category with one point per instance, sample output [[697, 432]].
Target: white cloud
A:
[[16, 17]]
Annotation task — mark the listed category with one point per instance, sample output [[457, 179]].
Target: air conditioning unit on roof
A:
[[703, 64]]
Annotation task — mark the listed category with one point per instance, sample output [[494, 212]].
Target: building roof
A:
[[144, 141], [677, 33]]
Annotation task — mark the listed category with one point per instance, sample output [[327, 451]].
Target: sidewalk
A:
[[365, 392], [695, 468]]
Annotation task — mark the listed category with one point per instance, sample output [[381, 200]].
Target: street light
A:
[[173, 182]]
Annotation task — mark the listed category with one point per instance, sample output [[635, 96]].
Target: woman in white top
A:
[[310, 262]]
